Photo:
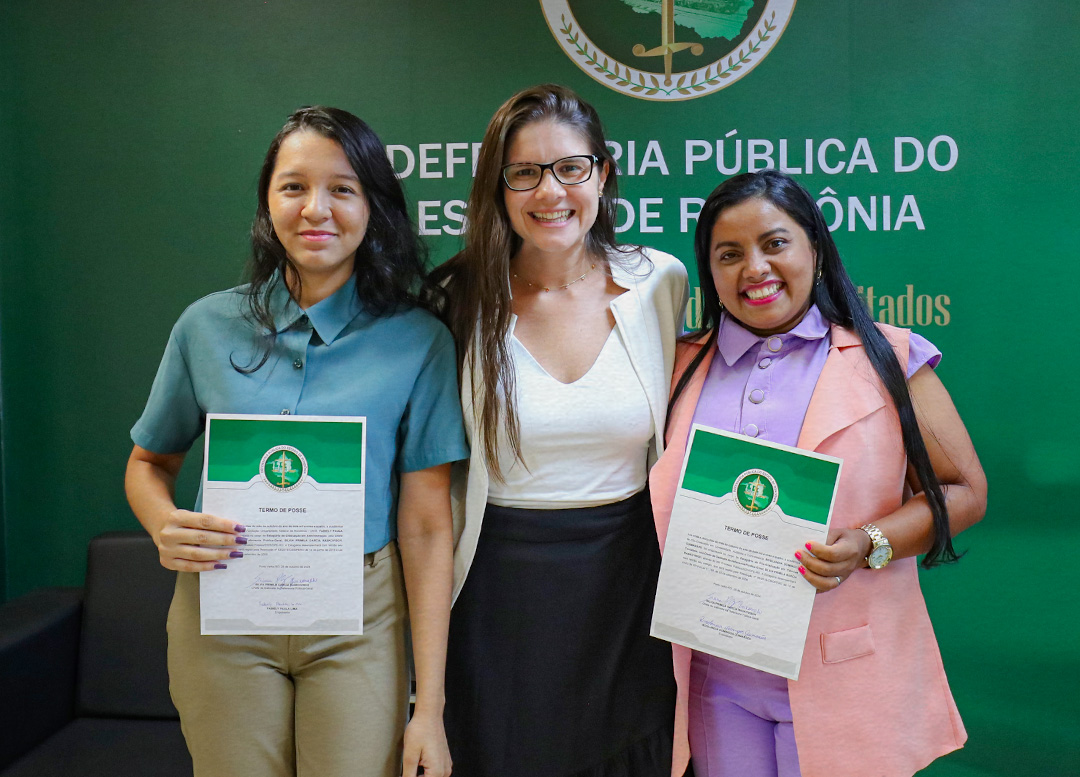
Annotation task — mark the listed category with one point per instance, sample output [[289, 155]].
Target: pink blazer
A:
[[872, 697]]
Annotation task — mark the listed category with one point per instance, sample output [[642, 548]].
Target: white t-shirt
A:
[[583, 443]]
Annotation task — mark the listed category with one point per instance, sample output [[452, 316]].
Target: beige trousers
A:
[[309, 706]]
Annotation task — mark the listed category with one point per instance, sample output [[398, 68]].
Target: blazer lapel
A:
[[683, 412], [664, 477], [640, 338], [846, 391]]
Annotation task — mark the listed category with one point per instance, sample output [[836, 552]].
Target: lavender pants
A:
[[740, 721]]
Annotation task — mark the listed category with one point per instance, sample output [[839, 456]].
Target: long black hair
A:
[[839, 303], [390, 266]]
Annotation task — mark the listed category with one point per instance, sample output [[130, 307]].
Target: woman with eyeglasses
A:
[[566, 345]]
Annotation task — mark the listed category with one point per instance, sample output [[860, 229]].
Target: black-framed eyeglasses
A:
[[569, 171]]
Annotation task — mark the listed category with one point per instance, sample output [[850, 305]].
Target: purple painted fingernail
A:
[[236, 554], [239, 527], [240, 540], [221, 566]]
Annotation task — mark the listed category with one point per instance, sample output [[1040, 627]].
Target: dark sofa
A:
[[83, 682]]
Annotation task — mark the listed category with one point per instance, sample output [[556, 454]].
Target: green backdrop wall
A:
[[131, 134]]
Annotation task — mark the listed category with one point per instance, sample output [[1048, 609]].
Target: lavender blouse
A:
[[761, 386]]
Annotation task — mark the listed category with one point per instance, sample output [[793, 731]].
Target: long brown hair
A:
[[477, 278]]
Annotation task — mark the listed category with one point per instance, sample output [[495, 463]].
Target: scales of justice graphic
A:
[[747, 32], [283, 468], [668, 45]]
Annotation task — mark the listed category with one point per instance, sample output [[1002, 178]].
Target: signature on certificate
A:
[[728, 631], [281, 580], [731, 604]]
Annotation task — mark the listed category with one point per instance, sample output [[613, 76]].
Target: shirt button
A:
[[298, 364], [285, 411], [764, 362], [750, 430], [774, 344], [757, 396]]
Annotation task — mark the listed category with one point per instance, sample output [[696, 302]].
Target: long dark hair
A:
[[838, 301], [476, 279], [389, 270]]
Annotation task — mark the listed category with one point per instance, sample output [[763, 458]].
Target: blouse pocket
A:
[[848, 644]]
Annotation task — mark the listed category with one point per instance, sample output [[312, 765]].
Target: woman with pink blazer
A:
[[787, 353]]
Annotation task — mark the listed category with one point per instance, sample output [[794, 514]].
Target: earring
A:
[[600, 194], [817, 277]]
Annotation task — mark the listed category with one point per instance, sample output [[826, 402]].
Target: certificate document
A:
[[729, 581], [296, 483]]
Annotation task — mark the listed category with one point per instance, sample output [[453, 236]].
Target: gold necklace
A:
[[557, 288]]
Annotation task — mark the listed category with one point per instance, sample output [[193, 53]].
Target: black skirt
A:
[[550, 667]]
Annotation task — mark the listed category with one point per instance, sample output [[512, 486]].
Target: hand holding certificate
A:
[[729, 582], [297, 484]]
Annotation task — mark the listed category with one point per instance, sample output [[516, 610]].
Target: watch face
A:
[[880, 556]]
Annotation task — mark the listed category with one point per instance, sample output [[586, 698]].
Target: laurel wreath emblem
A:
[[624, 76], [685, 85]]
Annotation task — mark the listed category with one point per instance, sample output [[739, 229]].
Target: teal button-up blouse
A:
[[331, 359]]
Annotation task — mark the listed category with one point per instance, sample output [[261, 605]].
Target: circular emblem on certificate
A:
[[283, 468], [667, 49], [755, 491]]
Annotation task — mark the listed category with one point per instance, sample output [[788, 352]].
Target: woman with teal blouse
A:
[[334, 321]]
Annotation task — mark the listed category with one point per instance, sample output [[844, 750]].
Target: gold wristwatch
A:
[[881, 553]]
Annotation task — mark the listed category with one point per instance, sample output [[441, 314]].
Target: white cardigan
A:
[[649, 317]]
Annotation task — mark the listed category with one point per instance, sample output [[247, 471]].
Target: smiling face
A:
[[553, 217], [319, 211], [763, 266]]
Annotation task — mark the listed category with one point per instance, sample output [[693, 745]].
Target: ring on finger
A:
[[839, 580]]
